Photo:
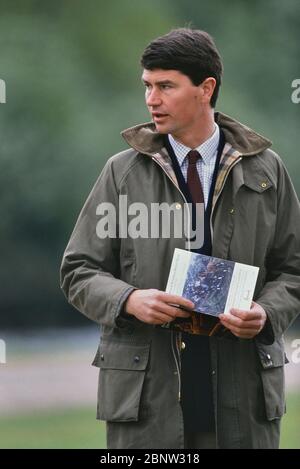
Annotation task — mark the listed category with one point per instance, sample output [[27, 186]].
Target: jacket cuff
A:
[[266, 335], [122, 319]]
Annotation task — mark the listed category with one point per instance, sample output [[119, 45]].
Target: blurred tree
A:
[[73, 83], [259, 43], [69, 73]]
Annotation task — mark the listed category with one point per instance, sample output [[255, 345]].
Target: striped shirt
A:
[[205, 165]]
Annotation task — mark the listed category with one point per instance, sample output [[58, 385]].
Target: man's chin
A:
[[161, 129]]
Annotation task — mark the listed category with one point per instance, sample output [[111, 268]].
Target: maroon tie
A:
[[193, 180]]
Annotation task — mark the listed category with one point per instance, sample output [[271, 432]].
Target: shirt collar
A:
[[207, 149]]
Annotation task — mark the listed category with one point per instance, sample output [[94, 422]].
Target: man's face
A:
[[175, 103]]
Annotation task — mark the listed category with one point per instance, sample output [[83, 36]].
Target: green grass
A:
[[290, 428], [67, 428], [77, 428]]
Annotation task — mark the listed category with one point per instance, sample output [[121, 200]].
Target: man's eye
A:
[[165, 87]]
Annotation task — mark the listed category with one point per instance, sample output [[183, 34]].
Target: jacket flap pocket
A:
[[271, 356], [122, 356], [272, 359], [121, 378], [258, 183]]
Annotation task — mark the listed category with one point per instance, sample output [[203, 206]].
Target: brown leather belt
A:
[[200, 324]]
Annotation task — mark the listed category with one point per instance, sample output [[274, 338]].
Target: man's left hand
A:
[[245, 324]]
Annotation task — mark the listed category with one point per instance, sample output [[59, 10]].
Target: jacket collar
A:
[[145, 139]]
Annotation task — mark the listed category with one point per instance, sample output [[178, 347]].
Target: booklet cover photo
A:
[[214, 285]]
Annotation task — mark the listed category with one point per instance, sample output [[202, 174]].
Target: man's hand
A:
[[245, 324], [155, 306]]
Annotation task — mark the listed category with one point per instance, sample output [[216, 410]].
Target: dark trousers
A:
[[200, 440]]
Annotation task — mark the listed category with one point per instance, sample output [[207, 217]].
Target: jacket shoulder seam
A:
[[127, 167], [134, 163]]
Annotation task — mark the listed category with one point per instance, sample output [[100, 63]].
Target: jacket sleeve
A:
[[280, 296], [90, 267]]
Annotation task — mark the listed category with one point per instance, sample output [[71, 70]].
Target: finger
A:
[[172, 311], [161, 318], [176, 299], [245, 315], [228, 319], [242, 333]]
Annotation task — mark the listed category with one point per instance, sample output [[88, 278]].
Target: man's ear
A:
[[206, 89]]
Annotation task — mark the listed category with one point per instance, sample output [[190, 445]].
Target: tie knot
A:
[[193, 156]]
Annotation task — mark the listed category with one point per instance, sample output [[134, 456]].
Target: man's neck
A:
[[199, 134]]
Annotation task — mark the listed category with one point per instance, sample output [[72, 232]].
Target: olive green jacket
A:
[[255, 220]]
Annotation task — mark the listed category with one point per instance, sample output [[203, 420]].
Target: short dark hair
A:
[[191, 52]]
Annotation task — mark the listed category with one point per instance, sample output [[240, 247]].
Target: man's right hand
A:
[[155, 306]]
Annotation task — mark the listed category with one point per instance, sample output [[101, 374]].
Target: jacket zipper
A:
[[175, 334], [178, 334], [225, 179], [177, 362]]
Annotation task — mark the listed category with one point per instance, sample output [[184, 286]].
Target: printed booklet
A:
[[213, 285]]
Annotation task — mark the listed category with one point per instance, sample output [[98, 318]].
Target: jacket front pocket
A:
[[121, 377], [272, 359]]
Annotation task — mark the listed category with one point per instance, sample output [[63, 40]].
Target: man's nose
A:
[[153, 98]]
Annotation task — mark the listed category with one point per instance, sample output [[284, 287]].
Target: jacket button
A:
[[182, 346], [231, 210], [136, 359], [213, 372], [269, 361], [264, 185], [102, 357]]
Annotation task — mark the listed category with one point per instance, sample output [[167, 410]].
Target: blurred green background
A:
[[72, 75]]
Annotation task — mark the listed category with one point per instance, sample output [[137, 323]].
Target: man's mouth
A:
[[157, 116]]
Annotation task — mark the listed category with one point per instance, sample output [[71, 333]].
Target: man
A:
[[164, 388]]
